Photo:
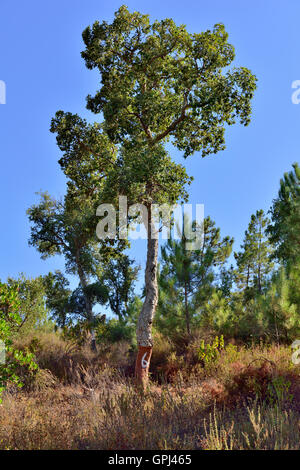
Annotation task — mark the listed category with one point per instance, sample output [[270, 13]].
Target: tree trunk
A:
[[144, 324], [89, 308], [248, 276], [259, 279], [93, 341], [187, 313], [142, 364]]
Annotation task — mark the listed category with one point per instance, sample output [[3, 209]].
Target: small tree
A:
[[284, 230], [60, 228], [57, 294], [254, 260], [68, 228], [10, 322], [186, 279], [282, 315], [33, 311]]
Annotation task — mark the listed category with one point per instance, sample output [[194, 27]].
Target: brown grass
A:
[[247, 398]]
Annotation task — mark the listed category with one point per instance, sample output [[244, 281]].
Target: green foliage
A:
[[114, 331], [121, 329], [160, 82], [279, 391], [33, 310], [216, 314], [271, 316], [293, 275], [57, 296], [10, 321], [211, 352], [249, 322], [186, 279], [118, 277], [79, 331], [283, 319], [96, 293], [67, 229], [253, 261], [285, 214], [226, 279]]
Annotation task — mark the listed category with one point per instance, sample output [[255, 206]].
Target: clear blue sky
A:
[[40, 45]]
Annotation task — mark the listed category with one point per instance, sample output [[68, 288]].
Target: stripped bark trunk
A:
[[144, 324], [88, 304]]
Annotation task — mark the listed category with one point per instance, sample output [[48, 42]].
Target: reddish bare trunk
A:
[[142, 366]]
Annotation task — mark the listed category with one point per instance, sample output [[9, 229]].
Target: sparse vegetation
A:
[[245, 398]]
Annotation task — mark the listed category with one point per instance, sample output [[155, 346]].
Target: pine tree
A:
[[285, 215], [226, 279], [282, 315], [186, 279], [254, 260]]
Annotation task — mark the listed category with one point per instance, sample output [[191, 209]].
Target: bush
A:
[[114, 330], [16, 361]]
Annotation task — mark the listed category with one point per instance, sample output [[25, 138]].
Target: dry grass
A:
[[255, 427], [113, 416], [247, 398]]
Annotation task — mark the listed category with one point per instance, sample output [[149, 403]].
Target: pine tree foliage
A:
[[254, 260], [187, 277], [282, 315], [285, 215]]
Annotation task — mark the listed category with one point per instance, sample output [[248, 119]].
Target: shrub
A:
[[210, 352], [115, 330], [10, 320]]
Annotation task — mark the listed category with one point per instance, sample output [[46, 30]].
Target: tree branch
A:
[[177, 121]]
